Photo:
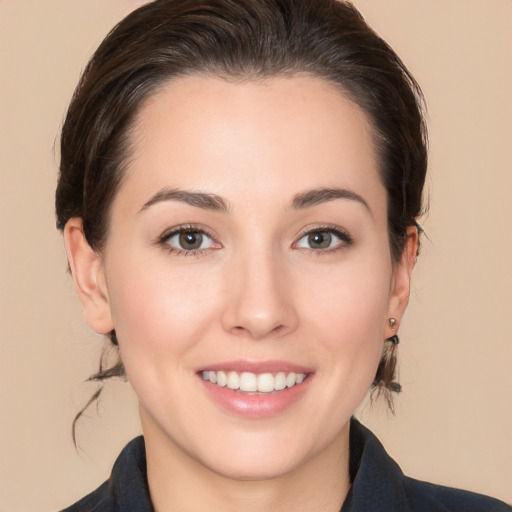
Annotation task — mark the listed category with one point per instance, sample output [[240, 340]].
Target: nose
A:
[[259, 295]]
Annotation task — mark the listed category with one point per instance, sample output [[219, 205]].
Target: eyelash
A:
[[344, 237], [165, 237]]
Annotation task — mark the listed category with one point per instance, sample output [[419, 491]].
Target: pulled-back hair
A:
[[239, 40]]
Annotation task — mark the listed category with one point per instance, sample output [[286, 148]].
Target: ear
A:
[[89, 277], [401, 284]]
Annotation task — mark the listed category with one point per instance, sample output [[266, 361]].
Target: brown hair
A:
[[239, 39]]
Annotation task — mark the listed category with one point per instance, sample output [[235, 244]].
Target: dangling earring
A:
[[393, 339], [385, 382]]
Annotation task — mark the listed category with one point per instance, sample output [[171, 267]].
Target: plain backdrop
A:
[[454, 419]]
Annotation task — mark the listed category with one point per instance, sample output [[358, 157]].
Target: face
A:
[[248, 248]]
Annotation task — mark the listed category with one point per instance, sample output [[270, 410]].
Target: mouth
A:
[[256, 389], [254, 383]]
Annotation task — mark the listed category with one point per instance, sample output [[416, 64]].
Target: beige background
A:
[[454, 419]]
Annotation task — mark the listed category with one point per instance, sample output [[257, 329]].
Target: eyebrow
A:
[[216, 203], [323, 195], [197, 199]]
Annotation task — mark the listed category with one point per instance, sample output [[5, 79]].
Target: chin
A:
[[254, 470], [267, 455]]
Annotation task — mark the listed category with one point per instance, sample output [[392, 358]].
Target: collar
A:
[[377, 480], [128, 484]]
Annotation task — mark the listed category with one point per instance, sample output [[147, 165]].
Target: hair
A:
[[239, 40]]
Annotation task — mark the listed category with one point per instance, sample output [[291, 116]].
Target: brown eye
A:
[[324, 239], [320, 240], [189, 240]]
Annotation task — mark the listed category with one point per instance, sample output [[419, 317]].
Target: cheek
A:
[[157, 307], [350, 298], [348, 313]]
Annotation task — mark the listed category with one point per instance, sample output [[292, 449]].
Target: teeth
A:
[[252, 382], [248, 382], [222, 378], [266, 383], [291, 379], [233, 380], [280, 381]]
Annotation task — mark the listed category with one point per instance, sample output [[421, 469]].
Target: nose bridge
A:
[[259, 302]]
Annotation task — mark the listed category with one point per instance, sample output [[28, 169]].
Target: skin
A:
[[257, 290]]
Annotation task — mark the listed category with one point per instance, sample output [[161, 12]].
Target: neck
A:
[[178, 481]]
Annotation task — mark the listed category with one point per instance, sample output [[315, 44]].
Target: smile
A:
[[248, 382]]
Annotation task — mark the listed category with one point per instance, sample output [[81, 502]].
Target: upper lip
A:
[[245, 365]]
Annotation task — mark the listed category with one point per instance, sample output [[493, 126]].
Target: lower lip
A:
[[262, 405]]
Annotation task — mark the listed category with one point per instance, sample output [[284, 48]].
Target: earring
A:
[[393, 339], [394, 325]]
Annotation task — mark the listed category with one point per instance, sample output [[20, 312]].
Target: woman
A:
[[240, 183]]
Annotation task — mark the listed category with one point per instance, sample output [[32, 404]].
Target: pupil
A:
[[320, 240], [191, 241]]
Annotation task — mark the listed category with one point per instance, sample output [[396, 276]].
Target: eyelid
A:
[[163, 239], [343, 235]]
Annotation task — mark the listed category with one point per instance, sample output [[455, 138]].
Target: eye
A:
[[188, 240], [324, 238]]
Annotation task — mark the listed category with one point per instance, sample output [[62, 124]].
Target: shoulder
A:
[[98, 501], [427, 497], [127, 488], [378, 484]]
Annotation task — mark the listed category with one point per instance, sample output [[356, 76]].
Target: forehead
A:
[[265, 139]]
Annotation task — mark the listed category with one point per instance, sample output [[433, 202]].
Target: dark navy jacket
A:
[[378, 485]]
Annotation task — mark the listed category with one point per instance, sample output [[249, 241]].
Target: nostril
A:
[[258, 332], [279, 329]]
